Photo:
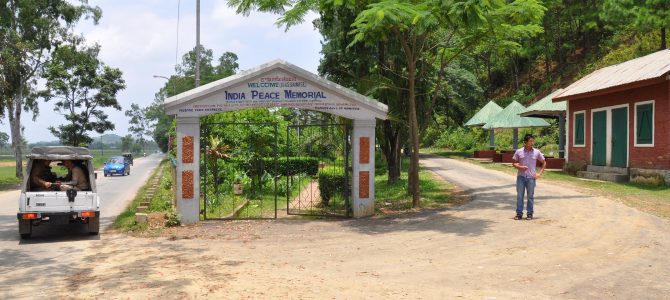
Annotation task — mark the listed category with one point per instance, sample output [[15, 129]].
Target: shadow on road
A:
[[44, 233], [436, 220]]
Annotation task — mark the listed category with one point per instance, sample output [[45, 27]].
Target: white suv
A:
[[46, 198]]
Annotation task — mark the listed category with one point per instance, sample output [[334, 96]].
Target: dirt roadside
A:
[[578, 247]]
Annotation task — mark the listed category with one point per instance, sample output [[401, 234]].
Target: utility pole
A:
[[102, 146], [197, 43]]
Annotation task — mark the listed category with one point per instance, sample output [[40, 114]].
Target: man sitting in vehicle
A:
[[77, 178], [41, 177]]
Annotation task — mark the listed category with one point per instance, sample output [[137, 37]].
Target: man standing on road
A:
[[525, 160]]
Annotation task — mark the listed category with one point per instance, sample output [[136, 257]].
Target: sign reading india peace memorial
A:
[[276, 89]]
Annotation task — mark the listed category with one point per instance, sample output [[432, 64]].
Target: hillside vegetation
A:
[[578, 38]]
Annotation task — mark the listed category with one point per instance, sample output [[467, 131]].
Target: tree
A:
[[438, 32], [82, 86], [642, 15], [127, 143], [4, 138], [29, 31], [161, 124], [227, 65], [139, 124], [374, 70]]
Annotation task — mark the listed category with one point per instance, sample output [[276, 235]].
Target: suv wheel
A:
[[25, 229], [93, 225]]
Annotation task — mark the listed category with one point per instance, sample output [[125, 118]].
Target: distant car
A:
[[117, 165], [129, 157]]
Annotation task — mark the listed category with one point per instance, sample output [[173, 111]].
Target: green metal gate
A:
[[326, 190], [239, 176]]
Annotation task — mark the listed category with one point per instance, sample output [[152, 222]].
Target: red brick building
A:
[[619, 116]]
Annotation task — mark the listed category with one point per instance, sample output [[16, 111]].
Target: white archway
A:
[[274, 84]]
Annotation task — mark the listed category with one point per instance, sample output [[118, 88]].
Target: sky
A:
[[140, 38]]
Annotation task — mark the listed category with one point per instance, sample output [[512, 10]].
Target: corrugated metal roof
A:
[[646, 67], [487, 113], [509, 118], [545, 108]]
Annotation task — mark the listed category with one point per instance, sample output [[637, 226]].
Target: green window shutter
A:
[[579, 129], [644, 126]]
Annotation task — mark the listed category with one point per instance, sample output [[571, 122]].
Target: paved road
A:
[[579, 246], [32, 267]]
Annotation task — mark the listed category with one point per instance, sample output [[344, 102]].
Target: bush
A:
[[573, 167], [292, 166], [173, 219], [285, 166], [283, 187], [459, 139], [550, 150], [332, 182]]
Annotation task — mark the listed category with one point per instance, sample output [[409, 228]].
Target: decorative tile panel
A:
[[364, 150], [363, 184], [187, 149], [187, 184]]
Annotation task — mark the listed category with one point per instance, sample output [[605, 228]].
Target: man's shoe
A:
[[518, 217], [529, 217]]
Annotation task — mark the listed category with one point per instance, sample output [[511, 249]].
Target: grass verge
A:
[[8, 180], [435, 192], [649, 198], [161, 202]]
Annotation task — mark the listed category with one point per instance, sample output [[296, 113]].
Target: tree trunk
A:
[[391, 150], [546, 56], [664, 44], [414, 135], [14, 109]]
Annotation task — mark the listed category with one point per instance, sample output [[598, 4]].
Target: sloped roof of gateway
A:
[[509, 118], [545, 107], [637, 70], [377, 109], [487, 113]]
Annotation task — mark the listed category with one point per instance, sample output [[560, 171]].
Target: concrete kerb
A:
[[140, 214]]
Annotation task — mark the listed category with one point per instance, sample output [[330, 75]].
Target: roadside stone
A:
[[142, 209], [140, 218]]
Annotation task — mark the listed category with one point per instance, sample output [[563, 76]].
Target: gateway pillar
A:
[[363, 183], [188, 169]]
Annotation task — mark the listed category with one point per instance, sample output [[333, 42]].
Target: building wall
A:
[[657, 157]]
